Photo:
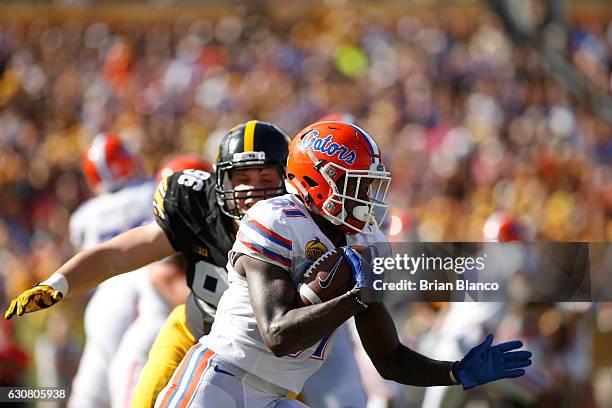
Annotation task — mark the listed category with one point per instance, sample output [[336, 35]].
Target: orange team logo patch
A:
[[314, 249]]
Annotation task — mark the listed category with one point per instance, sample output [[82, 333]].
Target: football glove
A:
[[37, 298], [483, 363], [363, 274]]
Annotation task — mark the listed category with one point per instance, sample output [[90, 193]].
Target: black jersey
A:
[[186, 208]]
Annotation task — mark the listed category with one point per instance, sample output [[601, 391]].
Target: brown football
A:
[[328, 277]]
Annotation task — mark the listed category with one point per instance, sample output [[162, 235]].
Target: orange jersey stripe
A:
[[195, 379], [177, 376]]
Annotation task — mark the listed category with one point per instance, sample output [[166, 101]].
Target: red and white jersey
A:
[[110, 214], [279, 231]]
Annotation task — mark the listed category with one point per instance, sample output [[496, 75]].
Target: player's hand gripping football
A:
[[363, 274], [37, 298], [485, 363]]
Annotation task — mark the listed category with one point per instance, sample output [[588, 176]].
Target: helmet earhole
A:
[[319, 196], [310, 181]]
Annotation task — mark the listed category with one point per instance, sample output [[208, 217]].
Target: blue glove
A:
[[363, 274], [484, 363]]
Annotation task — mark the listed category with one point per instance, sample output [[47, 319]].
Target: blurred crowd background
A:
[[469, 121]]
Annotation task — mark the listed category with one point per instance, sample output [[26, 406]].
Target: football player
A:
[[197, 214], [260, 347], [179, 334], [122, 200], [243, 150]]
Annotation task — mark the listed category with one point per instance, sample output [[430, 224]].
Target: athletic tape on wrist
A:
[[58, 282]]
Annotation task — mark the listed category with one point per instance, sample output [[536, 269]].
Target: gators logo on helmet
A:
[[336, 168]]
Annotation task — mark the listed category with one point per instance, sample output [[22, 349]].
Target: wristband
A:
[[357, 300], [58, 282]]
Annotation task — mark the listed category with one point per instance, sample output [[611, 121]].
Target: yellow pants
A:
[[169, 348]]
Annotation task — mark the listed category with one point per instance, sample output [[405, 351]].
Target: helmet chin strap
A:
[[291, 189], [337, 219]]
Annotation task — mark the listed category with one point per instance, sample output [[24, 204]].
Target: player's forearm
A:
[[408, 367], [89, 268], [300, 328], [126, 252], [392, 359]]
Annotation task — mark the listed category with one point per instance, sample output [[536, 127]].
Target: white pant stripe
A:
[[187, 375]]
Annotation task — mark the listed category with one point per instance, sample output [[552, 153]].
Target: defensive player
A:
[[197, 214], [260, 346]]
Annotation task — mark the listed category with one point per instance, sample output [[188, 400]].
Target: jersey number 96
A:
[[193, 178]]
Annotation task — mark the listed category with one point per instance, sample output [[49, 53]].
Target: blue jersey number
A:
[[289, 208]]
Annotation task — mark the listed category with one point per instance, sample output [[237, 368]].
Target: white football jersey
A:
[[106, 319], [279, 231], [109, 214]]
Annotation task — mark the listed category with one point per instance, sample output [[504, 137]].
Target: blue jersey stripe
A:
[[264, 251], [277, 240]]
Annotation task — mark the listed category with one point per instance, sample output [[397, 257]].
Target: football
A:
[[328, 277]]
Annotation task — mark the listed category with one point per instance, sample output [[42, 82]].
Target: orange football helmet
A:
[[108, 165], [180, 163], [336, 168], [503, 227]]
